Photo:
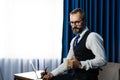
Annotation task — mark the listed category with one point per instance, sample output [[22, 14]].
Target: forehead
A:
[[75, 16]]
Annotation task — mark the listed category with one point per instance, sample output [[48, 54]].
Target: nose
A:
[[73, 26]]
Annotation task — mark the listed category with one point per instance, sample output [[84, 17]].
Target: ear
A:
[[84, 21]]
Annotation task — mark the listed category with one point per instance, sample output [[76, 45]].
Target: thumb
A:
[[73, 57]]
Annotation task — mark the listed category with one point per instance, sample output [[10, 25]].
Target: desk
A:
[[28, 76]]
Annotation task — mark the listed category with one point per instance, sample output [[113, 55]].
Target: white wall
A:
[[31, 28]]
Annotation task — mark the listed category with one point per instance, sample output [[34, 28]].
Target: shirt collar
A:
[[83, 32]]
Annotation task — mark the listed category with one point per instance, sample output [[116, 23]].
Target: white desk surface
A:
[[28, 75]]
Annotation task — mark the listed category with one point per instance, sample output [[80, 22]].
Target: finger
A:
[[42, 76], [45, 77], [70, 65]]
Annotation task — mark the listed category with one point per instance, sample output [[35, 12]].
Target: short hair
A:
[[78, 10]]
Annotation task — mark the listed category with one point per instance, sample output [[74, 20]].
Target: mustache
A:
[[75, 28]]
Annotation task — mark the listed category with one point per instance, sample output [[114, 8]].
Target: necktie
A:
[[76, 41]]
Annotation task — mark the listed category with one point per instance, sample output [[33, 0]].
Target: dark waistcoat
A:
[[81, 52]]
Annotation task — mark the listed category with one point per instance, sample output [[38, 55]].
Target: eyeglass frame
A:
[[75, 22]]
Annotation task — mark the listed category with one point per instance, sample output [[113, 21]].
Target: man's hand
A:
[[73, 63], [46, 76]]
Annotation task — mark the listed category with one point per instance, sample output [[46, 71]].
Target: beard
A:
[[77, 30]]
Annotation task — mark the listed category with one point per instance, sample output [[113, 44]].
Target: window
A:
[[31, 28]]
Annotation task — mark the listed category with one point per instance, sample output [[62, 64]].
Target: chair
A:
[[111, 71]]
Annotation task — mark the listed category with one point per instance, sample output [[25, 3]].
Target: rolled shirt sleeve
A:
[[61, 68]]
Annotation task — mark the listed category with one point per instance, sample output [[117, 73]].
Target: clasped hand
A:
[[46, 75], [73, 63]]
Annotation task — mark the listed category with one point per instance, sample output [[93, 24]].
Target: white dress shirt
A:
[[94, 42]]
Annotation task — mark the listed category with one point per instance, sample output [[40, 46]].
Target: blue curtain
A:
[[103, 17]]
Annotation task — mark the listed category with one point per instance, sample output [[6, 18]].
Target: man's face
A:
[[76, 22]]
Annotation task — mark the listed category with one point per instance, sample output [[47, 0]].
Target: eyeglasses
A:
[[75, 22]]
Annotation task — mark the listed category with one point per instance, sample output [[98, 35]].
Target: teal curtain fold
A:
[[103, 17]]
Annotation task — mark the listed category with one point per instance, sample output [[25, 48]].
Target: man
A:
[[86, 53]]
